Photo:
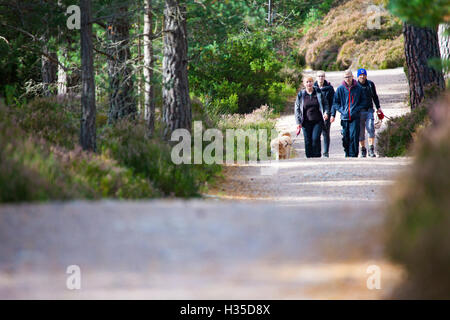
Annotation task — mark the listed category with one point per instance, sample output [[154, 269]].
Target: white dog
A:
[[281, 146]]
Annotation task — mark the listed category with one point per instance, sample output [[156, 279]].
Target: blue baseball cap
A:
[[361, 71]]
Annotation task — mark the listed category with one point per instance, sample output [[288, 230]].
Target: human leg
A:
[[370, 126], [345, 136], [362, 130], [354, 128], [326, 138], [307, 134], [362, 133], [316, 143]]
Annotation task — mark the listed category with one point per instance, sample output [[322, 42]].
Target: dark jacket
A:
[[348, 101], [327, 90], [370, 95], [300, 101]]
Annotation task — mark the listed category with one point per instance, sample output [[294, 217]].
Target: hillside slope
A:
[[344, 40]]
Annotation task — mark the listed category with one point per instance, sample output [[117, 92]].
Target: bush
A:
[[395, 140], [26, 174], [127, 143], [418, 221], [261, 118], [46, 118], [237, 76], [41, 159], [315, 14], [226, 100], [33, 170]]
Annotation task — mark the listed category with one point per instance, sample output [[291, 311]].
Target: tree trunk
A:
[[149, 96], [421, 45], [62, 75], [88, 110], [176, 101], [49, 69], [444, 40], [139, 72], [121, 97], [444, 43], [62, 56], [269, 12]]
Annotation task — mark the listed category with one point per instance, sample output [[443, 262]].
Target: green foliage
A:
[[31, 169], [440, 65], [240, 75], [127, 143], [418, 217], [26, 174], [423, 13], [315, 15], [213, 20], [28, 28], [396, 139], [56, 123], [312, 19], [227, 99], [41, 159], [10, 94], [262, 118]]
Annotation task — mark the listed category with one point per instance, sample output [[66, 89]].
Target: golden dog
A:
[[282, 145]]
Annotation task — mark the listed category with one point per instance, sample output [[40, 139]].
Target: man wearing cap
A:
[[348, 101], [367, 121], [327, 89]]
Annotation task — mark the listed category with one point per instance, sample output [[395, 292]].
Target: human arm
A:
[[298, 113], [326, 107], [336, 104], [325, 103], [375, 96]]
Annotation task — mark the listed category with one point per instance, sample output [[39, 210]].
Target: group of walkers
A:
[[315, 111]]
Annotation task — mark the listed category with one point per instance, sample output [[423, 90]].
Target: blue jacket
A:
[[299, 103], [348, 101], [370, 95]]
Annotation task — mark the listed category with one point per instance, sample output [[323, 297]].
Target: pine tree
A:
[[149, 96], [421, 45], [88, 109], [121, 96], [176, 101], [421, 19]]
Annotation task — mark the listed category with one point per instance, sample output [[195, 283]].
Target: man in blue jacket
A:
[[367, 119], [348, 101], [328, 90]]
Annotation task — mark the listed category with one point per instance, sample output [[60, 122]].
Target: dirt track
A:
[[310, 230]]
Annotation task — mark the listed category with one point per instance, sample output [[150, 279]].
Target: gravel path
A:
[[308, 231]]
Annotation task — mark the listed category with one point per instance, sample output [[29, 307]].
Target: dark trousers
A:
[[326, 136], [311, 132], [350, 137]]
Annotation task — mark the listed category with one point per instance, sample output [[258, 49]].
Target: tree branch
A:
[[4, 39], [104, 53], [33, 37]]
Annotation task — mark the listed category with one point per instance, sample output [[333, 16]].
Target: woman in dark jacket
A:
[[311, 110]]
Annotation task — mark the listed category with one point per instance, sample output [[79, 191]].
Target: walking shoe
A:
[[372, 152], [325, 155], [363, 152]]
